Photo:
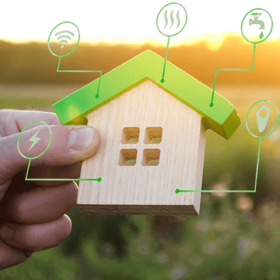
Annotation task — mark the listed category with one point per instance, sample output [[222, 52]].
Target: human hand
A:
[[32, 215]]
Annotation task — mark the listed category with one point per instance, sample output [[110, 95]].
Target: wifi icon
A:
[[62, 34], [63, 37]]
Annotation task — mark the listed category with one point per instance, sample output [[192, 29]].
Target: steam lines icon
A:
[[168, 26], [171, 19], [64, 37]]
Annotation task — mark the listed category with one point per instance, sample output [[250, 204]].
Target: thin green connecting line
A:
[[251, 69], [163, 73], [54, 179], [82, 71], [230, 191]]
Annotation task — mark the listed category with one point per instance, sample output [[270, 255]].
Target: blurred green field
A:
[[32, 97], [236, 236]]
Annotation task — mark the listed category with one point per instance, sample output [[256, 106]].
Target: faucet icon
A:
[[256, 20]]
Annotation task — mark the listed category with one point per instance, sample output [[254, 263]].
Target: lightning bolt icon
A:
[[34, 139]]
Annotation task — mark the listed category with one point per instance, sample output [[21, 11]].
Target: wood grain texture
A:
[[139, 189]]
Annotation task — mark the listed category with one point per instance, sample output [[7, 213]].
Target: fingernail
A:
[[81, 138], [6, 233]]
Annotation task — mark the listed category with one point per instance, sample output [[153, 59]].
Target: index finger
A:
[[13, 121], [69, 144]]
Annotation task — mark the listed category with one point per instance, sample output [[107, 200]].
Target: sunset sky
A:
[[126, 20]]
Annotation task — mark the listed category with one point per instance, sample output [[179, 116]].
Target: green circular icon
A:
[[247, 126], [257, 25], [63, 36], [172, 19], [34, 140]]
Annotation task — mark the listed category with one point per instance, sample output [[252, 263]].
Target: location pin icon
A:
[[262, 121]]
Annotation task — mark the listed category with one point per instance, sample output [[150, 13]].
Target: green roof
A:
[[221, 118]]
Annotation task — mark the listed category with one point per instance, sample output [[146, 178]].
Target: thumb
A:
[[69, 144]]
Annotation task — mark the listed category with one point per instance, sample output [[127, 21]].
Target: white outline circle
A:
[[247, 126], [30, 158]]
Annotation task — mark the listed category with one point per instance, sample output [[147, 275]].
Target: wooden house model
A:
[[152, 138]]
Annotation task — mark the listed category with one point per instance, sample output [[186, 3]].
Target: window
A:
[[130, 135], [128, 157], [150, 157], [153, 135]]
